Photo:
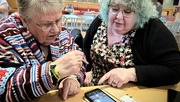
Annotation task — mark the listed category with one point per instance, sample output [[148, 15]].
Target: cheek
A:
[[111, 19], [40, 36], [130, 23]]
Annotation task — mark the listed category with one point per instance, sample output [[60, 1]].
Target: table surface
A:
[[138, 93]]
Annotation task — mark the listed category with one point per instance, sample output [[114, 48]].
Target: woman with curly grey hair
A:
[[128, 43]]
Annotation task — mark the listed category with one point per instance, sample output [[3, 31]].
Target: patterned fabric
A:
[[4, 75], [19, 50], [105, 57]]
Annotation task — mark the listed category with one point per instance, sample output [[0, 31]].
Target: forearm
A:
[[156, 75], [81, 75], [132, 76], [4, 9], [29, 83]]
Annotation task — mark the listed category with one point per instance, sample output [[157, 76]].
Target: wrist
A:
[[55, 71], [133, 77], [74, 77]]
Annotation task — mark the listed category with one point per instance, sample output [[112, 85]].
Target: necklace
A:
[[44, 51], [44, 55]]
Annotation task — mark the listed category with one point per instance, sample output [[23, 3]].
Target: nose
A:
[[120, 14], [55, 28]]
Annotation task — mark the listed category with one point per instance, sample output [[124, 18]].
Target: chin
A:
[[47, 43], [117, 31]]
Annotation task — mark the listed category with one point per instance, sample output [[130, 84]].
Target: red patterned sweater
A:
[[24, 73]]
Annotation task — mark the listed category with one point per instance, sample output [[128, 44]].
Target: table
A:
[[76, 20], [138, 93]]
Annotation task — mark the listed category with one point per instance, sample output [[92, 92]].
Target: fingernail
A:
[[65, 98]]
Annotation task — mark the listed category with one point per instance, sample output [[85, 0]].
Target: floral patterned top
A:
[[106, 57]]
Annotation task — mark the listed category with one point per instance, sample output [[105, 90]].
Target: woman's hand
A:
[[70, 63], [87, 81], [70, 86], [119, 76]]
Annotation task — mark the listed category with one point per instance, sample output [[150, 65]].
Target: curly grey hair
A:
[[144, 10], [31, 8]]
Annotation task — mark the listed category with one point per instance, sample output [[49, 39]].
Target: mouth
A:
[[52, 36], [119, 24]]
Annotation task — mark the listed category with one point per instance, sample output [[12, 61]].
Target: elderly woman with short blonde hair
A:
[[37, 53]]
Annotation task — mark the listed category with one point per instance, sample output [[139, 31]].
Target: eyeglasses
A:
[[114, 9], [48, 26]]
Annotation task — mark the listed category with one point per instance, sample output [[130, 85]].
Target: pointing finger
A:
[[65, 92], [104, 78], [85, 61]]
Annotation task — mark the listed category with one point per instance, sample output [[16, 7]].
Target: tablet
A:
[[173, 95], [97, 95]]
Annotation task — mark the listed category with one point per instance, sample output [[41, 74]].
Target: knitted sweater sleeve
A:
[[156, 55]]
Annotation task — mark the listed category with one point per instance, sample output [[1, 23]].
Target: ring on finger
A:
[[113, 82]]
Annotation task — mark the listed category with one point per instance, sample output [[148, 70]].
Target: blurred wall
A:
[[168, 4]]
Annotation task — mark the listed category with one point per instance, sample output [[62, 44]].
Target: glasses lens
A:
[[47, 27], [116, 10], [59, 23], [127, 13]]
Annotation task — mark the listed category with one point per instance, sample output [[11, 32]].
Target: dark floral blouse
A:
[[106, 57]]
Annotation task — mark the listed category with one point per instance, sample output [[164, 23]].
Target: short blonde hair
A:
[[144, 10], [31, 8]]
